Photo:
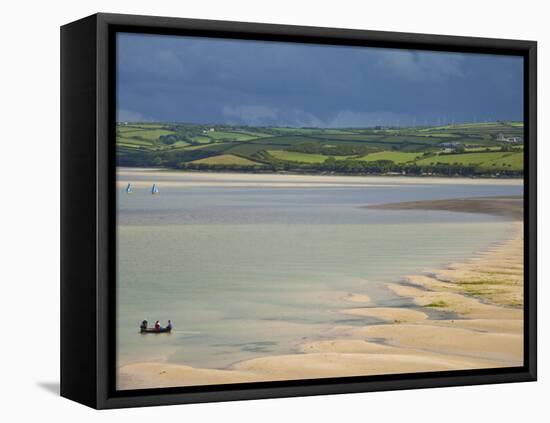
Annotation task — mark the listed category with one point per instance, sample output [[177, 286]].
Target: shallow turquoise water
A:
[[250, 271]]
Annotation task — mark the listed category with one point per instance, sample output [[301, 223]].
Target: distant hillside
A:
[[472, 149]]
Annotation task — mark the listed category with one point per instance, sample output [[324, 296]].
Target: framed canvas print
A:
[[256, 211]]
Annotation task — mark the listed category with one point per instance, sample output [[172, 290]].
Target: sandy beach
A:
[[141, 177], [466, 315]]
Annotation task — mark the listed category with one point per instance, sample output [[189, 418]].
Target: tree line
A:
[[183, 159], [357, 167]]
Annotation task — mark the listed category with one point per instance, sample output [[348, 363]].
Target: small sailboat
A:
[[154, 189], [129, 189]]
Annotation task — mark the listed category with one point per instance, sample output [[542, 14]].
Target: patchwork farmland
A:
[[472, 149]]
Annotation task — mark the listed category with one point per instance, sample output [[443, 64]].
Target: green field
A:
[[209, 146], [293, 156], [201, 139], [394, 156], [231, 136], [309, 131], [472, 149], [512, 161], [480, 149], [226, 159], [499, 160], [148, 134]]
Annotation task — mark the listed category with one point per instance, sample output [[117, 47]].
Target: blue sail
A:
[[154, 190], [129, 189]]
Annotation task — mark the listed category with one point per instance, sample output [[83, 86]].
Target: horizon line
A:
[[316, 127]]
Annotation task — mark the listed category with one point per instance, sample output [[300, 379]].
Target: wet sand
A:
[[480, 299], [509, 207]]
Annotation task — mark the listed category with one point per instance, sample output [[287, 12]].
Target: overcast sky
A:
[[204, 80]]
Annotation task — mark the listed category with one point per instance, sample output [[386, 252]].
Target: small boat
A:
[[154, 189], [129, 189], [153, 330]]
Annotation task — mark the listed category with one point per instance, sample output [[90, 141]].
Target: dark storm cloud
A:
[[186, 79]]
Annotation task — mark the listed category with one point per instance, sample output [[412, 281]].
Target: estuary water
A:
[[252, 265]]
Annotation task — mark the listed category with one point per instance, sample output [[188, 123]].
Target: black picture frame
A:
[[88, 221]]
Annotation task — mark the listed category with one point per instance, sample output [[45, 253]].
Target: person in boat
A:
[[143, 325], [157, 325], [169, 325]]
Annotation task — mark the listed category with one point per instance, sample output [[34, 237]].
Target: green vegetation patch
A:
[[437, 304], [485, 160], [249, 148], [512, 161], [394, 156], [469, 149], [180, 144], [226, 159], [148, 134], [231, 136], [293, 156], [134, 143], [219, 146], [479, 149], [310, 131], [201, 139]]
